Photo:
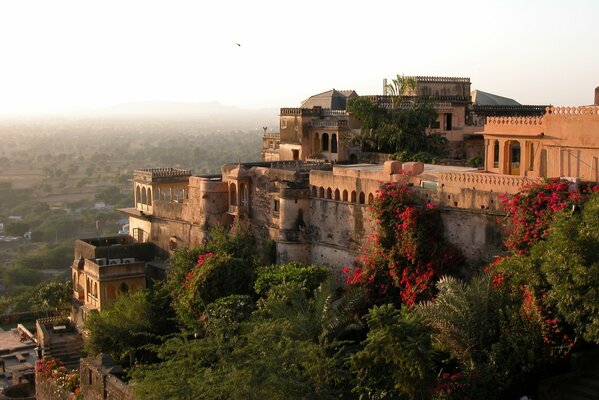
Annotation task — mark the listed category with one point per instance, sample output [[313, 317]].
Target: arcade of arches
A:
[[353, 197]]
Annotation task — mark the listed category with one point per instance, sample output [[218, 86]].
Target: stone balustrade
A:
[[323, 123], [584, 110], [483, 181], [514, 121]]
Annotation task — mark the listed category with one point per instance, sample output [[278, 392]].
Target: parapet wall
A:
[[583, 110], [485, 182]]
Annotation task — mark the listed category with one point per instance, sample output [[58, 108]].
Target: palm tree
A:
[[326, 316], [463, 316], [398, 88]]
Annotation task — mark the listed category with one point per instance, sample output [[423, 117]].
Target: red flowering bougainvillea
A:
[[409, 253], [66, 380], [531, 210]]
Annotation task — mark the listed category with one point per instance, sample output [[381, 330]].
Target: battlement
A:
[[272, 135], [584, 110], [438, 101], [161, 174], [312, 112], [293, 111], [514, 121], [301, 166], [439, 79], [521, 110]]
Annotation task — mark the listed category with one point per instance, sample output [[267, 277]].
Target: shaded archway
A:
[[513, 157], [353, 196], [496, 154], [325, 142], [329, 193], [321, 192], [362, 198], [370, 198], [345, 195], [337, 195], [232, 194]]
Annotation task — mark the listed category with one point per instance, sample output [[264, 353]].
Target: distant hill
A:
[[178, 109]]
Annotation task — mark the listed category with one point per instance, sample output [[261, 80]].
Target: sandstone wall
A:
[[338, 231]]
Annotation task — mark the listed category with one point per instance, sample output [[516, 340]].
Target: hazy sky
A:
[[64, 55]]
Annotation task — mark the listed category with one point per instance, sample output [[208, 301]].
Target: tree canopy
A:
[[401, 130]]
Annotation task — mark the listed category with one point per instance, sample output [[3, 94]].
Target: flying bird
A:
[[238, 45]]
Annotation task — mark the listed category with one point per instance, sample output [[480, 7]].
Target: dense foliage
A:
[[561, 274], [47, 296], [401, 130], [532, 210], [126, 330], [307, 278]]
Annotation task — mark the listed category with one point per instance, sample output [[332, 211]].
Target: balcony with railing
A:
[[327, 123]]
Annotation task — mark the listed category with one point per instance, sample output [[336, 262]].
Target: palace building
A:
[[311, 193]]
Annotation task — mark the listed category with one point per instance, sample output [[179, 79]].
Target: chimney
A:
[[385, 88], [597, 96]]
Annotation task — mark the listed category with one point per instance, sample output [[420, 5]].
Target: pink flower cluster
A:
[[531, 211], [409, 254]]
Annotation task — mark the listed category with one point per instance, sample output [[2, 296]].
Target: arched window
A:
[[337, 195], [353, 196], [232, 194], [325, 142], [316, 148], [144, 196], [149, 196], [243, 195], [334, 143], [362, 198], [95, 289], [344, 195], [353, 159], [124, 288], [496, 154], [370, 198], [329, 193], [138, 195], [314, 191], [321, 192]]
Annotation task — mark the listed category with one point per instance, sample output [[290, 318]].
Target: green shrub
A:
[[308, 277]]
